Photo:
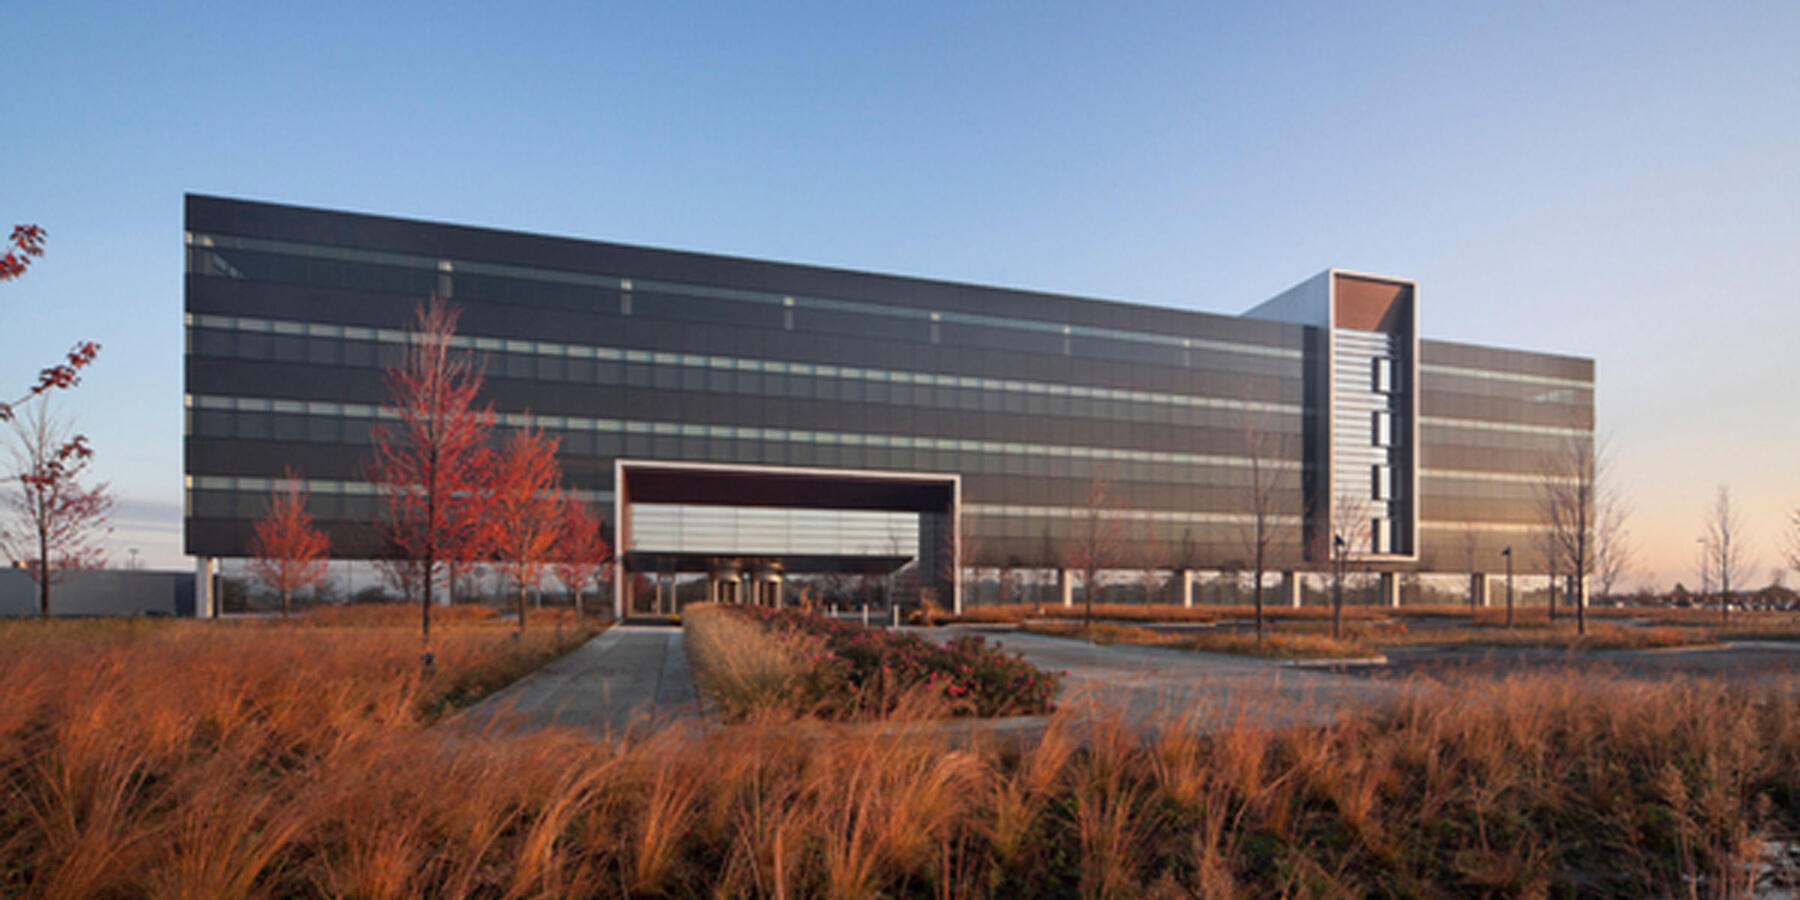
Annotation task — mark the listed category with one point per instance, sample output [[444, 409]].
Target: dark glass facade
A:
[[629, 352]]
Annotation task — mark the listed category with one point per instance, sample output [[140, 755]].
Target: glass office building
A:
[[995, 411]]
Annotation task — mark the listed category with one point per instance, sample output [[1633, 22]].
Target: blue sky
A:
[[1610, 180]]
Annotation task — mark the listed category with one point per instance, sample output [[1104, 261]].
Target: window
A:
[[1380, 537], [1383, 375], [1382, 480], [1383, 429]]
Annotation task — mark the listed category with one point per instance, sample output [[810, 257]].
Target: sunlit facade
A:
[[1425, 454]]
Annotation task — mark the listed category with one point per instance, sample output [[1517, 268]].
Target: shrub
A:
[[834, 669]]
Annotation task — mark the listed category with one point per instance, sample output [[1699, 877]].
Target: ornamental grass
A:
[[808, 664]]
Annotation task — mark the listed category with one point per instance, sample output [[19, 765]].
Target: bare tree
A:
[[1726, 556], [56, 523], [1151, 553], [1790, 541], [1468, 538], [1567, 500], [1096, 538], [1006, 580], [1270, 479], [1613, 549], [1550, 552], [1352, 533]]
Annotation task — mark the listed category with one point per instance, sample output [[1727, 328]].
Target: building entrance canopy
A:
[[933, 497]]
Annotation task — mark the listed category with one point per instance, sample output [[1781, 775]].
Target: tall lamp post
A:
[[1337, 586], [1509, 595]]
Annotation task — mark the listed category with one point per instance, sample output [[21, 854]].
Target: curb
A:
[[1329, 663]]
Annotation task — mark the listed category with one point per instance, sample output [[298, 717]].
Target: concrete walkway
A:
[[630, 674], [1151, 686], [638, 675]]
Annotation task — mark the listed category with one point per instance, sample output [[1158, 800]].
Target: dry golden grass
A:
[[184, 759], [1139, 612], [742, 667], [1285, 643], [1558, 636]]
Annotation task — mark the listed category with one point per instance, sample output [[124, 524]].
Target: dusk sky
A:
[[1620, 181]]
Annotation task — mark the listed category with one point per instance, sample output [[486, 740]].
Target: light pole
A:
[[1337, 586], [1509, 595]]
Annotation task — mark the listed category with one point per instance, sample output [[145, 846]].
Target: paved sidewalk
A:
[[630, 674], [1150, 686]]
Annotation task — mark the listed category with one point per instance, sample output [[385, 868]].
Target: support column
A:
[[622, 599], [1187, 588], [205, 567], [775, 590], [1290, 589], [1065, 585], [659, 593], [1478, 590], [1390, 589]]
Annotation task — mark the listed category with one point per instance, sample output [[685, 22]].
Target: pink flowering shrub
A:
[[862, 671]]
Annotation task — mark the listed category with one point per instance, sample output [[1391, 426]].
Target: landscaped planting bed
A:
[[842, 670]]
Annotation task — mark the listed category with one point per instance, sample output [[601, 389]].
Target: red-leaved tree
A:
[[26, 244], [431, 456], [583, 554], [288, 552], [56, 523], [525, 518]]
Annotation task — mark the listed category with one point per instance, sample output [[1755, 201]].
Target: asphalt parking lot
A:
[[1745, 661]]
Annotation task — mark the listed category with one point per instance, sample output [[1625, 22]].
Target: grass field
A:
[[195, 759]]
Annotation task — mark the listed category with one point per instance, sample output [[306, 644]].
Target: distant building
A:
[[108, 592], [749, 418]]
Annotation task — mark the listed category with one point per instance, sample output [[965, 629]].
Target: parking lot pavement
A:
[[1153, 686], [1741, 661], [628, 675]]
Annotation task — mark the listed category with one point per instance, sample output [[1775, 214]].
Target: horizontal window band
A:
[[329, 487], [553, 349], [786, 435], [627, 284], [1494, 375], [1505, 527], [1506, 477], [1139, 515], [1517, 428]]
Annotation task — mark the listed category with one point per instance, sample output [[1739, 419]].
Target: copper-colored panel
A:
[[1370, 305]]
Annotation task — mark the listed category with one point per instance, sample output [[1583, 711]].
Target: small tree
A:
[[1467, 540], [1613, 550], [1152, 557], [526, 511], [431, 457], [1790, 541], [1352, 532], [1725, 555], [1567, 499], [288, 552], [582, 555], [1096, 539], [1269, 480], [25, 245], [56, 522]]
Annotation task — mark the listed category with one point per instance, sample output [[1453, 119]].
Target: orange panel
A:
[[1371, 305]]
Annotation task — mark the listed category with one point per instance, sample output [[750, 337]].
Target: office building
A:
[[747, 418]]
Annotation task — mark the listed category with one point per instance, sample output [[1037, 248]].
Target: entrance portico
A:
[[759, 575]]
